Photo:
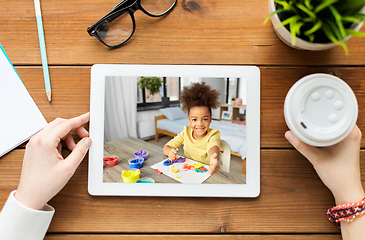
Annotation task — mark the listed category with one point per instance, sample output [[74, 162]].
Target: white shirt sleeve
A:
[[20, 222]]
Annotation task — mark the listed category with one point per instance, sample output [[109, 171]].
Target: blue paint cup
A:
[[135, 163]]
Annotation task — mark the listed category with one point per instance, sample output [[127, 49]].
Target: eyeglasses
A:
[[118, 26]]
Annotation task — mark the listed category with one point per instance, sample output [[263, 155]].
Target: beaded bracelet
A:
[[346, 212]]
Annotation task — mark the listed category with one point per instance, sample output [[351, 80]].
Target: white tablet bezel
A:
[[96, 186]]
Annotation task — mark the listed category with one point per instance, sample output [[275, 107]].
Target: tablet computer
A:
[[124, 116]]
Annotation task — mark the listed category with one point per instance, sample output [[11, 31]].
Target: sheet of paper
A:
[[20, 117], [183, 176]]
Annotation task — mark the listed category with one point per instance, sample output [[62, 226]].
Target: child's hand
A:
[[172, 154], [45, 172], [214, 164], [338, 166]]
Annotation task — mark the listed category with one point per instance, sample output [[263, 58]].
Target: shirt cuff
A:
[[20, 222]]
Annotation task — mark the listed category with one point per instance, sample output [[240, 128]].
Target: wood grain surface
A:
[[293, 200], [71, 93], [197, 237], [217, 32]]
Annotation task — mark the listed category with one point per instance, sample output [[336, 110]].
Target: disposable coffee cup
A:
[[320, 109]]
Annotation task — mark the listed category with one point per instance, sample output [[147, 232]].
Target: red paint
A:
[[110, 161]]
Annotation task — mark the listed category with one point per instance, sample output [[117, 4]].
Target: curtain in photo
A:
[[120, 108]]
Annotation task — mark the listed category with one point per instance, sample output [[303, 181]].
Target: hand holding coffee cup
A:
[[321, 110]]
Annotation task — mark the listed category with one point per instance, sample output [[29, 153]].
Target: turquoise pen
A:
[[42, 45]]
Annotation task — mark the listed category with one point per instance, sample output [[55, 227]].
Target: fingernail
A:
[[288, 136], [88, 142]]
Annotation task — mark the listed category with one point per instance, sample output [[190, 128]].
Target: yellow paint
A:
[[130, 176], [198, 165]]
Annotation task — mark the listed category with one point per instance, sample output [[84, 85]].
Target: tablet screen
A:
[[133, 153]]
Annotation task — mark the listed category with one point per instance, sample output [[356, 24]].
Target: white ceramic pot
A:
[[301, 44], [238, 101]]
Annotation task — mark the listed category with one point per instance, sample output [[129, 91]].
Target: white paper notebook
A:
[[20, 117]]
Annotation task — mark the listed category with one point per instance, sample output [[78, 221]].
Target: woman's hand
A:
[[338, 166], [45, 172]]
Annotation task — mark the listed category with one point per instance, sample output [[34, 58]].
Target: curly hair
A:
[[199, 95]]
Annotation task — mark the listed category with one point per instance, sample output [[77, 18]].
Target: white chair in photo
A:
[[224, 156]]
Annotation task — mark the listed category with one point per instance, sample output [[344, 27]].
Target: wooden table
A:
[[293, 199], [125, 149]]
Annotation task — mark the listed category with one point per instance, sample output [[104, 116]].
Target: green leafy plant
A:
[[152, 84], [311, 20]]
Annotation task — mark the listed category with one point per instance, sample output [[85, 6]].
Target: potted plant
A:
[[153, 84], [233, 98], [316, 24]]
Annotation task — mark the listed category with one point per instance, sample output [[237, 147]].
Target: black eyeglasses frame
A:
[[120, 9]]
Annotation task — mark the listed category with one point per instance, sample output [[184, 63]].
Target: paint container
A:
[[110, 161], [141, 154], [145, 180], [130, 176], [135, 163], [320, 109]]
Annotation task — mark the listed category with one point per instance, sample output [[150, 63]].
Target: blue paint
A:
[[136, 162]]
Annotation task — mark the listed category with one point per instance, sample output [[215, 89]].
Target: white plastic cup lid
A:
[[320, 109]]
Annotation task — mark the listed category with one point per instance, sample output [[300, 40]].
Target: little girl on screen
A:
[[200, 142]]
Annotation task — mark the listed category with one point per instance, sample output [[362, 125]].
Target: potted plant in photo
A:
[[153, 84], [232, 100], [316, 24]]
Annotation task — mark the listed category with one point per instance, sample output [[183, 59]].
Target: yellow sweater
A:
[[196, 149]]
